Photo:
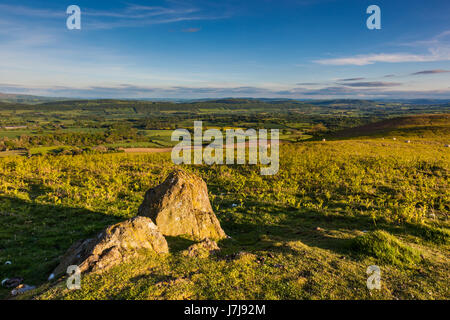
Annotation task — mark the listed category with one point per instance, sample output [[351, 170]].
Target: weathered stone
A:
[[112, 246], [202, 249], [12, 283], [22, 289], [180, 206]]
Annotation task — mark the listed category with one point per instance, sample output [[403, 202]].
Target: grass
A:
[[12, 153], [296, 227], [428, 128], [16, 133], [386, 248], [435, 235], [45, 150]]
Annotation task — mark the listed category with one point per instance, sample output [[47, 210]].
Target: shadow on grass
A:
[[33, 236], [332, 232], [177, 244]]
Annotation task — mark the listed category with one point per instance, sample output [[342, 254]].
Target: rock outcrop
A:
[[112, 246], [180, 206]]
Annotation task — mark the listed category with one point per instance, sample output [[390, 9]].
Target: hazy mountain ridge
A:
[[32, 99]]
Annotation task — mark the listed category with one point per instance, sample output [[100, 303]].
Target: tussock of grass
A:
[[386, 248], [435, 235]]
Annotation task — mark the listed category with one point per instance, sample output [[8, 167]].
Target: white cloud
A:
[[362, 60], [437, 49]]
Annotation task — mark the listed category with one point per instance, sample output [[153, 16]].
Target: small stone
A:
[[261, 260], [12, 283], [202, 249], [22, 289]]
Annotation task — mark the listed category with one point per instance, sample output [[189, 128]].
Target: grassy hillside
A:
[[309, 232], [431, 127]]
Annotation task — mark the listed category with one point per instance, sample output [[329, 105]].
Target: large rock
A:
[[180, 206], [112, 246]]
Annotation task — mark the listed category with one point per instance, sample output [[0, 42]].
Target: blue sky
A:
[[308, 49]]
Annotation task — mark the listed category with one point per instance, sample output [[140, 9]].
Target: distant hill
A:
[[416, 125], [26, 99], [344, 102], [419, 101], [248, 101]]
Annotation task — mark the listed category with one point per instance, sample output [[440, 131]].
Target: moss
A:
[[386, 248]]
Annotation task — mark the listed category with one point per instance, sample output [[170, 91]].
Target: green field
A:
[[335, 207], [303, 223]]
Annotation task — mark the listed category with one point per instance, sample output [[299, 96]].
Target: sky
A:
[[301, 49]]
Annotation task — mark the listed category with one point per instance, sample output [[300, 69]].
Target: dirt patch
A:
[[154, 150], [12, 153], [145, 150]]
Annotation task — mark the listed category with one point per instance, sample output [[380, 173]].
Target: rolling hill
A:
[[417, 125]]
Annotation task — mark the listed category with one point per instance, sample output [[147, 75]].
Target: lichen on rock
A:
[[112, 246], [180, 206]]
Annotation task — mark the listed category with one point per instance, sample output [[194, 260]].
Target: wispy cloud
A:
[[192, 30], [437, 40], [131, 15], [351, 79], [436, 71], [437, 49], [362, 60], [308, 84], [373, 84], [137, 12], [31, 12]]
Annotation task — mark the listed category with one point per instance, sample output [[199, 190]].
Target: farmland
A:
[[335, 207]]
